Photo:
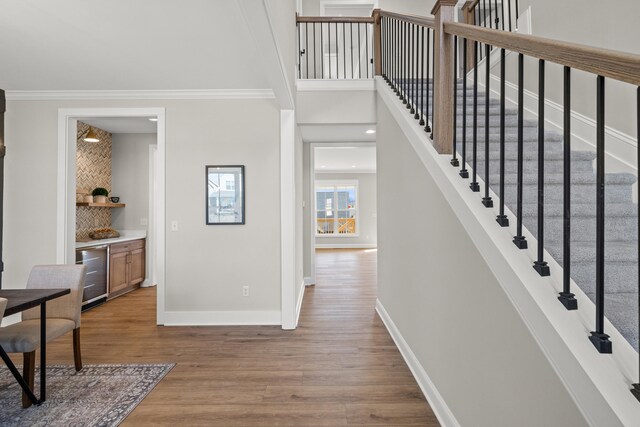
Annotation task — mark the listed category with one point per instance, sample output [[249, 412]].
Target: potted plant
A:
[[100, 195]]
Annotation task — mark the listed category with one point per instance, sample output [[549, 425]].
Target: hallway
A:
[[340, 367]]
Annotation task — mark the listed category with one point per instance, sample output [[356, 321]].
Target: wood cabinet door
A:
[[136, 265], [118, 269]]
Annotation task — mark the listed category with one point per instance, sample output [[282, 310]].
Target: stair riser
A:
[[579, 194], [615, 229], [511, 165], [617, 277]]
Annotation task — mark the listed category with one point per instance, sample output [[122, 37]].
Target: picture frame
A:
[[224, 194]]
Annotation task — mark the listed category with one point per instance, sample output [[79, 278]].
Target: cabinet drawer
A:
[[127, 246]]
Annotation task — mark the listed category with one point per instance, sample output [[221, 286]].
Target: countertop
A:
[[125, 236]]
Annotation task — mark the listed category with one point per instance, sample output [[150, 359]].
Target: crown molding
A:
[[51, 95]]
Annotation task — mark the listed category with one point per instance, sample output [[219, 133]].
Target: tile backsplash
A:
[[93, 160]]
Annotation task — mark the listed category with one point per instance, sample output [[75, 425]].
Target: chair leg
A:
[[28, 373], [77, 355]]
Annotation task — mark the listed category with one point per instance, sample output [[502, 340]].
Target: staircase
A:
[[621, 228]]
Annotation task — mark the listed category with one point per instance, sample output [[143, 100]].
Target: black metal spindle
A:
[[366, 49], [433, 82], [403, 60], [517, 12], [486, 200], [484, 9], [509, 14], [502, 218], [337, 52], [464, 173], [396, 45], [299, 51], [566, 297], [422, 121], [388, 38], [322, 50], [502, 13], [519, 240], [329, 47], [410, 81], [599, 339], [540, 265], [306, 46], [497, 20], [636, 387], [475, 187], [344, 50], [416, 97], [351, 53], [427, 128], [313, 28], [454, 158], [490, 15]]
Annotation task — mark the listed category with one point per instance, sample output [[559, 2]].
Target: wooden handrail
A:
[[414, 19], [336, 19], [608, 63]]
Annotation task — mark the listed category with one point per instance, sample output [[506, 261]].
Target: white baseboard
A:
[[621, 148], [147, 284], [346, 245], [221, 318], [435, 399], [299, 303], [309, 281]]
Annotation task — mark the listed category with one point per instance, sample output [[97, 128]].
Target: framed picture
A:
[[224, 195]]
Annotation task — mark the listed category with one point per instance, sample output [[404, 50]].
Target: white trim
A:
[[344, 171], [621, 148], [299, 303], [599, 384], [324, 85], [67, 128], [308, 281], [346, 245], [287, 217], [221, 318], [436, 402], [61, 95]]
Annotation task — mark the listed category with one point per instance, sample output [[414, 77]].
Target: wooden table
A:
[[19, 300]]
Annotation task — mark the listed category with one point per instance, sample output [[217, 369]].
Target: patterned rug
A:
[[98, 395]]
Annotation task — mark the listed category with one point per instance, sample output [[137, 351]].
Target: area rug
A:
[[98, 395]]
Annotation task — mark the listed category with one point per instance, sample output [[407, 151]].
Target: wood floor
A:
[[340, 367]]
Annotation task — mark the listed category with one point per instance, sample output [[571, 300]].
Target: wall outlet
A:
[[174, 225], [245, 291]]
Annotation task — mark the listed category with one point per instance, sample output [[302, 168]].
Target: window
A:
[[336, 208]]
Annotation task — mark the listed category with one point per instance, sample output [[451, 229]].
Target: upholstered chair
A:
[[63, 315]]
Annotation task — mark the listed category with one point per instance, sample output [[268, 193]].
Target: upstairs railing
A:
[[425, 61], [496, 14]]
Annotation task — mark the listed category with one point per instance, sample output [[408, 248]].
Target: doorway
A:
[[68, 122]]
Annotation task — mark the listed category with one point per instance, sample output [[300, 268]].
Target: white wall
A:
[[283, 21], [413, 7], [336, 106], [206, 266], [367, 208], [449, 306], [130, 179]]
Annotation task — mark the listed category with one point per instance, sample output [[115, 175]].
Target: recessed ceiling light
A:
[[323, 166], [370, 131], [353, 166], [153, 119]]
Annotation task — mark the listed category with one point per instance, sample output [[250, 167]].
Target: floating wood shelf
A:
[[101, 205]]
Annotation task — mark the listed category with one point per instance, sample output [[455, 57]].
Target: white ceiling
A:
[[126, 45], [345, 159], [123, 124], [337, 133]]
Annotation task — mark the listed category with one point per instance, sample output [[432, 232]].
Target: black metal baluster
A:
[[486, 200], [519, 240], [490, 15], [566, 297], [416, 97], [495, 3], [475, 187], [396, 45], [322, 49], [502, 218], [484, 9], [306, 44], [299, 51], [344, 51], [329, 47], [433, 82], [422, 121], [517, 12], [509, 10], [315, 50], [464, 173], [403, 60], [454, 158], [383, 56], [502, 13], [427, 128], [410, 82], [599, 339], [337, 53], [366, 49], [540, 265], [636, 387], [388, 38]]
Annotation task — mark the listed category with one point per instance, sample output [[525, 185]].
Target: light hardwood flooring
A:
[[340, 367]]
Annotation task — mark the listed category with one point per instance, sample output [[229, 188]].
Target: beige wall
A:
[[206, 266], [449, 306]]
